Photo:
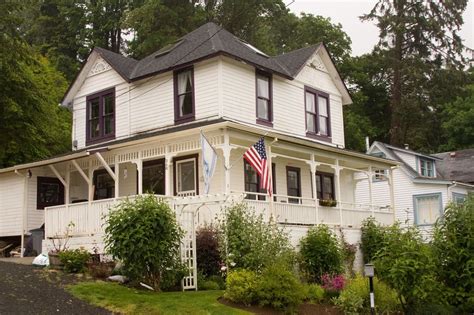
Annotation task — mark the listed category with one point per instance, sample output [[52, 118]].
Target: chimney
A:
[[407, 147]]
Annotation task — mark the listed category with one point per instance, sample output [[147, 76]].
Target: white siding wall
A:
[[239, 101], [410, 159], [11, 204]]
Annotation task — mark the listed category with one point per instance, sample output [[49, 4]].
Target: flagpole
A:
[[270, 158]]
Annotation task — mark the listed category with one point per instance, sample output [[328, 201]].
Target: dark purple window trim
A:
[[269, 122], [189, 117], [298, 171], [101, 137], [324, 174], [48, 180], [196, 169], [316, 135]]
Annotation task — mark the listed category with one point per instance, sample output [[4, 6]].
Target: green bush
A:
[[371, 239], [144, 235], [279, 288], [249, 242], [210, 283], [453, 247], [314, 293], [320, 253], [406, 263], [74, 260], [207, 251], [354, 299], [241, 285]]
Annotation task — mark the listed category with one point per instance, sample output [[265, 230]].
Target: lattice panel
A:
[[188, 251]]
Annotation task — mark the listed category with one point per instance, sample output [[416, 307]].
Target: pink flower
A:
[[333, 283]]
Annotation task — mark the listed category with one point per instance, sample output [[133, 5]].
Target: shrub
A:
[[144, 235], [320, 253], [406, 263], [207, 251], [248, 242], [210, 283], [279, 288], [371, 239], [354, 299], [453, 248], [314, 293], [348, 253], [74, 260], [240, 286]]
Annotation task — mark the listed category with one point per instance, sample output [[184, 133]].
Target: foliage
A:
[[279, 288], [333, 282], [314, 293], [320, 253], [454, 253], [207, 251], [354, 299], [214, 282], [241, 286], [371, 239], [247, 241], [74, 260], [144, 235], [406, 263], [123, 300], [349, 253]]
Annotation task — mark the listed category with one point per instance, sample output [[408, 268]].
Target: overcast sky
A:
[[364, 35]]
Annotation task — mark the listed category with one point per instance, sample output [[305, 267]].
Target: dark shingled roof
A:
[[456, 165], [204, 42]]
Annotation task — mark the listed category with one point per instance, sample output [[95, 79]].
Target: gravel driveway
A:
[[29, 290]]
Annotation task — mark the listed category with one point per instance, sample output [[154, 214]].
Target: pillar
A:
[[371, 201]]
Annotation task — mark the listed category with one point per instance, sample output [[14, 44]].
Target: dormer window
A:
[[100, 116], [318, 122], [427, 167], [264, 98], [184, 95]]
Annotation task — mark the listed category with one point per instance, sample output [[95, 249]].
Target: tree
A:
[[32, 125], [415, 38]]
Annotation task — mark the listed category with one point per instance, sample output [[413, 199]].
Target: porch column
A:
[[337, 171], [371, 202], [117, 178], [313, 165], [68, 185], [168, 174], [90, 183], [226, 151], [392, 191], [139, 164]]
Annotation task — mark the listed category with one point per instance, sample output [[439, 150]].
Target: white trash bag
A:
[[41, 260]]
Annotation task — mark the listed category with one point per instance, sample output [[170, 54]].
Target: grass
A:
[[124, 300]]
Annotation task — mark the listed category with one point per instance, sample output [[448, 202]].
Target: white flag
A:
[[209, 161]]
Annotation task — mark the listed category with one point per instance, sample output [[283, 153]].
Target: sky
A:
[[364, 35]]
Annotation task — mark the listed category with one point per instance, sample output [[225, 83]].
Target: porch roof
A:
[[192, 128]]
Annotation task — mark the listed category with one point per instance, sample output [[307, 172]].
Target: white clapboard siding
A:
[[409, 159], [11, 204]]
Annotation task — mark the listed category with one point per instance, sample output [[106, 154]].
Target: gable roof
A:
[[207, 41], [456, 165]]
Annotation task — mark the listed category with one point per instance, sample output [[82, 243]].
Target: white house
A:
[[423, 184], [136, 127]]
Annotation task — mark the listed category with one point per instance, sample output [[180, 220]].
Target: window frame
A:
[[100, 96], [48, 180], [428, 162], [176, 161], [189, 117], [259, 189], [297, 198], [415, 207], [317, 135], [456, 196], [262, 121], [380, 175], [325, 174], [151, 163], [101, 171]]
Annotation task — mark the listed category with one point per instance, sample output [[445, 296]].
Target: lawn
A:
[[124, 300]]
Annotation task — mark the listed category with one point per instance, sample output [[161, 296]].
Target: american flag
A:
[[257, 157]]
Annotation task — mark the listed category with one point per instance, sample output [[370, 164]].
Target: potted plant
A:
[[60, 243], [327, 202]]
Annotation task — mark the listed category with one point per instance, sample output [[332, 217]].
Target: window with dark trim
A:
[[100, 111], [427, 167], [185, 175], [264, 98], [184, 107], [104, 185], [293, 183], [252, 182], [154, 177], [317, 114], [325, 186], [49, 192]]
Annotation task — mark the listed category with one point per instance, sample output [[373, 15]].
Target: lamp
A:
[[369, 271]]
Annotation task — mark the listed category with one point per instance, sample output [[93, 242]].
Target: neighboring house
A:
[[136, 128], [423, 184]]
